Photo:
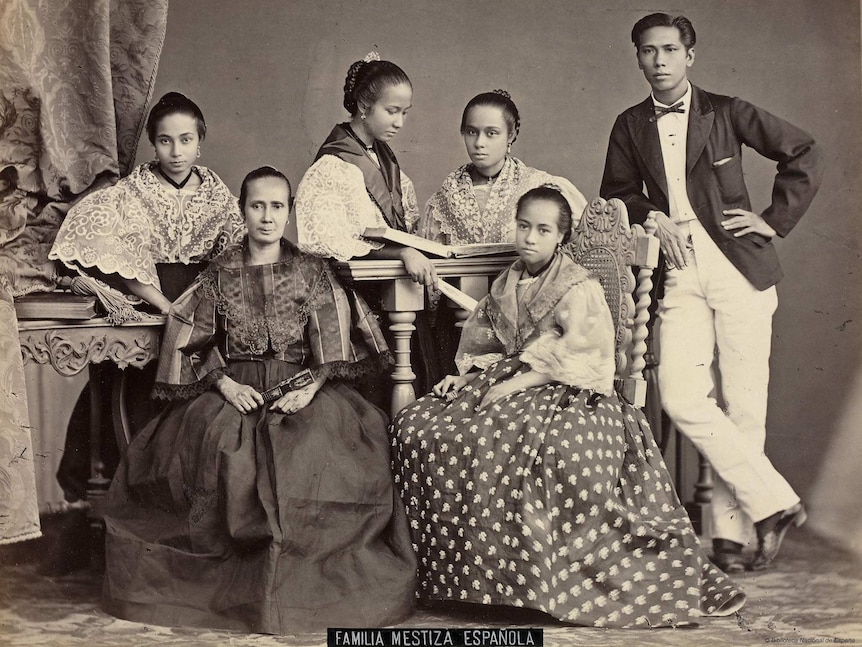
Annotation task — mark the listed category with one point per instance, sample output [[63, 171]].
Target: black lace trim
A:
[[351, 371], [164, 391]]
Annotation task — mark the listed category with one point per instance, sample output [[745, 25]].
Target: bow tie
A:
[[661, 111]]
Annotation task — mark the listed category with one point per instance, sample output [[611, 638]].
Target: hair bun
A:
[[502, 93]]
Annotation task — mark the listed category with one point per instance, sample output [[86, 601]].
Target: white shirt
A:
[[673, 135]]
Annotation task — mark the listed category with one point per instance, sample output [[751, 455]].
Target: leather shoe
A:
[[730, 562], [770, 534], [727, 555]]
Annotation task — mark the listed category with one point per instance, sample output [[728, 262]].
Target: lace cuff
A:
[[163, 391], [467, 361], [351, 371]]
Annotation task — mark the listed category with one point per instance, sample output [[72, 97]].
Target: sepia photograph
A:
[[442, 322]]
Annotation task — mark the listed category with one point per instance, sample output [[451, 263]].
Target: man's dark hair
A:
[[683, 24]]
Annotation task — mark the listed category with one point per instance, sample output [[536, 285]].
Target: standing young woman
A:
[[153, 231], [477, 201], [356, 182], [147, 236]]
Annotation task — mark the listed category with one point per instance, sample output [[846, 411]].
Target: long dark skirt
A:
[[262, 522], [555, 499]]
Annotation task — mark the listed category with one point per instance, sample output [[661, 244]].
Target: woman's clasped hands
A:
[[246, 399]]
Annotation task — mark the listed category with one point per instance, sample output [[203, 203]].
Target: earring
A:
[[509, 148], [199, 151], [362, 116]]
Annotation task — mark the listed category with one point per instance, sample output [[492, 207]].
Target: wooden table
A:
[[402, 299], [72, 346]]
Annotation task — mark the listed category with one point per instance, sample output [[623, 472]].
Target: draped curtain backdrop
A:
[[75, 80]]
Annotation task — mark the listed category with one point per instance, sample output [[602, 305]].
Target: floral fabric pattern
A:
[[554, 497]]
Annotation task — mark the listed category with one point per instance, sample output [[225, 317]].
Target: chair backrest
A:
[[605, 244]]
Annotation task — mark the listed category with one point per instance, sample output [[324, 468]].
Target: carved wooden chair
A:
[[604, 243]]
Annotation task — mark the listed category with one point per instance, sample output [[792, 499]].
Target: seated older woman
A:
[[263, 501]]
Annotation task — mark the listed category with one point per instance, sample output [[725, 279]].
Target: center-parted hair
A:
[[259, 174], [497, 99], [173, 103], [366, 81], [686, 30], [550, 193]]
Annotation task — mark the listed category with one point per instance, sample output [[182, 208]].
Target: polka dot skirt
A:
[[555, 499]]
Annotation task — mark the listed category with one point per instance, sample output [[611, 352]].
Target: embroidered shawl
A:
[[127, 228], [294, 310], [453, 216], [561, 326]]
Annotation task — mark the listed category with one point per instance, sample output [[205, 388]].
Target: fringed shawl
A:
[[562, 328], [128, 228]]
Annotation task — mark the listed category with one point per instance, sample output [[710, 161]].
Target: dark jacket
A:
[[717, 126]]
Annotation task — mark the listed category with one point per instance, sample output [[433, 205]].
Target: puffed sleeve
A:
[[189, 360], [479, 346], [333, 209], [582, 353], [232, 231]]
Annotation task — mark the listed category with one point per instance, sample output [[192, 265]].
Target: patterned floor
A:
[[813, 595]]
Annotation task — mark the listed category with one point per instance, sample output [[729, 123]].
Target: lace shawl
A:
[[294, 310], [561, 328], [127, 228], [453, 216], [333, 208]]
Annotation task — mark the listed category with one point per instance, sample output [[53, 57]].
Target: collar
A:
[[177, 185], [685, 98]]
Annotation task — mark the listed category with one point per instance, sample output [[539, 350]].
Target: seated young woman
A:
[[529, 482], [477, 201], [263, 501]]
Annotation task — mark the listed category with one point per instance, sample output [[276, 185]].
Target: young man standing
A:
[[683, 145]]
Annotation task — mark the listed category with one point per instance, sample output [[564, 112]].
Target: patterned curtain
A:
[[75, 80]]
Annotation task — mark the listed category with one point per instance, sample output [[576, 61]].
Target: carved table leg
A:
[[402, 299], [402, 375], [120, 412]]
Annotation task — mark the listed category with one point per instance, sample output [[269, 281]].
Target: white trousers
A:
[[707, 306]]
